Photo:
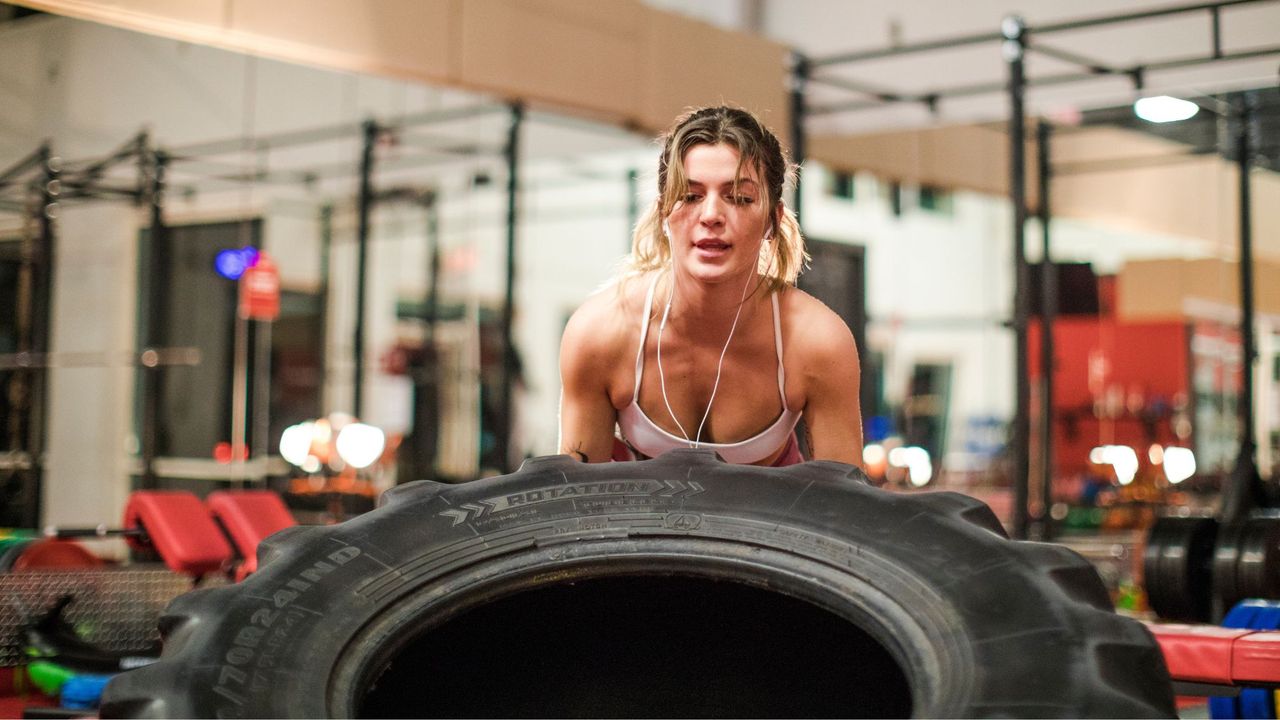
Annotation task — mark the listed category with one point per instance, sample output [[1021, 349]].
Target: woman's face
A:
[[716, 229]]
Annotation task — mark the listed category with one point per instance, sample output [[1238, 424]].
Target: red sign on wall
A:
[[260, 290]]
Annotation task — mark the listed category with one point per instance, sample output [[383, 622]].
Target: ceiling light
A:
[[1163, 109]]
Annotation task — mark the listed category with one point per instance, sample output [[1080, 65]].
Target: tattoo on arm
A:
[[808, 439], [577, 451]]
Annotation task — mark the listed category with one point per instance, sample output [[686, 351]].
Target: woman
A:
[[705, 341]]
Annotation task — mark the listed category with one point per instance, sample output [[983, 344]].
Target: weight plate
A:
[[1226, 556], [1258, 566], [1177, 567]]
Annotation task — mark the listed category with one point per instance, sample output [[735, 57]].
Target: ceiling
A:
[[1214, 130], [826, 30]]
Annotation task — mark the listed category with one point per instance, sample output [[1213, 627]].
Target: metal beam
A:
[[157, 317], [327, 132], [1095, 67], [1048, 317], [506, 416], [1014, 49], [1136, 16], [29, 162], [364, 209], [801, 72], [960, 41], [994, 86], [1244, 490]]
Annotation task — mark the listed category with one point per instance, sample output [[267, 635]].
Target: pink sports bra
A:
[[645, 437]]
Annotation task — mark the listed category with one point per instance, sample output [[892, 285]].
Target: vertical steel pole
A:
[[506, 416], [1048, 316], [40, 324], [633, 204], [364, 209], [326, 243], [1014, 49], [426, 417], [800, 71], [157, 317], [261, 412], [1244, 490]]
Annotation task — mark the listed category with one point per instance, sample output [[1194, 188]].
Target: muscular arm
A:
[[832, 416], [587, 415]]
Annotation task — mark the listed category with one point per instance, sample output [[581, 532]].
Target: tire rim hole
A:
[[645, 646]]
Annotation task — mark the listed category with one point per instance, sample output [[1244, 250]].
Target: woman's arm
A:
[[587, 415], [832, 417]]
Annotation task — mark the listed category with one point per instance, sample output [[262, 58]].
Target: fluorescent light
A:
[[916, 461], [873, 454], [295, 443], [1121, 458], [360, 445], [1179, 464], [1163, 109]]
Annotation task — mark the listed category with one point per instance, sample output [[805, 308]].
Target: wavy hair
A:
[[783, 254]]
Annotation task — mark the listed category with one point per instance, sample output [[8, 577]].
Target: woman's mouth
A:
[[711, 248]]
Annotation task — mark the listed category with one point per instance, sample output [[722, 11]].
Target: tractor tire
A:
[[680, 586]]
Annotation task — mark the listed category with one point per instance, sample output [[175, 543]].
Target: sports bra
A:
[[645, 437]]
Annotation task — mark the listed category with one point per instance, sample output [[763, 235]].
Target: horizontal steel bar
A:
[[979, 38], [994, 86]]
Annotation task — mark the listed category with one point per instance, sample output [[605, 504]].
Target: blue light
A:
[[231, 264], [878, 427]]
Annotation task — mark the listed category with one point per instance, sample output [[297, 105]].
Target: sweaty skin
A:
[[715, 231]]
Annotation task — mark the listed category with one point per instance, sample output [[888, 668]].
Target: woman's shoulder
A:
[[812, 328], [605, 321]]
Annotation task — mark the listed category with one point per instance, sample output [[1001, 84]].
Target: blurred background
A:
[[234, 233]]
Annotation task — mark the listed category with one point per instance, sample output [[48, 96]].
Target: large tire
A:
[[681, 586]]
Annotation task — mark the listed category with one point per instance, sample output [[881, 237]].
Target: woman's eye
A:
[[744, 199], [692, 197]]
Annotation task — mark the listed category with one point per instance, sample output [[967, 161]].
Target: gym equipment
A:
[[191, 537], [1196, 568], [178, 526], [248, 517], [676, 586], [53, 639], [1246, 561], [1177, 565], [1251, 702], [1219, 659], [51, 553]]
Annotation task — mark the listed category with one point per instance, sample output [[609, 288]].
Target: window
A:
[[840, 184], [935, 200]]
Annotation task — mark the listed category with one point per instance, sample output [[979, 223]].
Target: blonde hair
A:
[[783, 255]]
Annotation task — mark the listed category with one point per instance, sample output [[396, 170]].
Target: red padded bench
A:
[[1212, 655], [249, 517], [179, 528]]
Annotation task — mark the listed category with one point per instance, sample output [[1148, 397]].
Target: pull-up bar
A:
[[1015, 38]]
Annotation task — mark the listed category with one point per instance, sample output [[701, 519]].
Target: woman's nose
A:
[[712, 210]]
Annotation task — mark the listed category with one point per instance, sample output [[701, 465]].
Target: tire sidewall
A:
[[294, 639]]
